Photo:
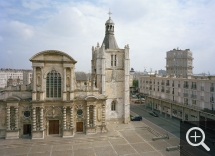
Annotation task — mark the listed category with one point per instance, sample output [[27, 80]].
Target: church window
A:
[[113, 106], [53, 84], [113, 60]]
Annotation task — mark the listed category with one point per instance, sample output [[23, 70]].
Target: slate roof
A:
[[110, 42], [81, 76]]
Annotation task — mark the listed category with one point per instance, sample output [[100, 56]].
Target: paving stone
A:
[[118, 141], [62, 147], [62, 153], [142, 147], [41, 149], [124, 149], [105, 151], [134, 139], [100, 143], [84, 152], [159, 144], [152, 153], [40, 154], [170, 153], [82, 146], [17, 151]]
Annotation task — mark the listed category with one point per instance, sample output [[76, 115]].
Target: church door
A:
[[53, 126], [27, 129], [79, 126]]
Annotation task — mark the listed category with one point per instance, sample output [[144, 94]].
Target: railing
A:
[[150, 88], [185, 94], [167, 91], [162, 90], [150, 82], [212, 89], [167, 84], [172, 92], [173, 85], [193, 96], [202, 88], [186, 86], [185, 103], [162, 83]]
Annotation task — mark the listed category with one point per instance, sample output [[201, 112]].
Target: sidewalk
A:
[[133, 139]]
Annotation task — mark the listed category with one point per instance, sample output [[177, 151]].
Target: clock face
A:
[[79, 111]]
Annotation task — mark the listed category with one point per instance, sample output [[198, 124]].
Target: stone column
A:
[[103, 114], [34, 119], [41, 118], [64, 117], [71, 78], [8, 118], [88, 116], [34, 79], [64, 83], [71, 117], [41, 79], [94, 116], [16, 118]]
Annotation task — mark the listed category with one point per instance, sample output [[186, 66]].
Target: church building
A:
[[62, 102]]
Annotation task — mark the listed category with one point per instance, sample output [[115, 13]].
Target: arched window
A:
[[113, 106], [53, 85]]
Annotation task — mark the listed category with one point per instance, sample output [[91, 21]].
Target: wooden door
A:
[[53, 126], [79, 126], [27, 129]]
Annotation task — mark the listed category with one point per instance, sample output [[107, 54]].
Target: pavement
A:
[[133, 139]]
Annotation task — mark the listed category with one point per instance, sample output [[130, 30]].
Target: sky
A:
[[150, 27]]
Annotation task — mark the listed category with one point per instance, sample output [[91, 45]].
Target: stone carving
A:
[[53, 111], [99, 114]]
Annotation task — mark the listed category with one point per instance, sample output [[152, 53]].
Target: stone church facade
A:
[[63, 102]]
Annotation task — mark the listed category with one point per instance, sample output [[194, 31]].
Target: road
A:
[[169, 125]]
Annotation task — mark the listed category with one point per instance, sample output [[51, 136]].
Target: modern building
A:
[[17, 76], [187, 99], [63, 102], [179, 62]]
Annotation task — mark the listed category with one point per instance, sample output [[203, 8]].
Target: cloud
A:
[[151, 28]]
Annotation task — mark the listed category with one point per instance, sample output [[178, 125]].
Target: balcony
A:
[[162, 90], [162, 83], [173, 85], [186, 103], [193, 87], [178, 85], [150, 88], [172, 92], [150, 82], [202, 98], [146, 81], [167, 84], [193, 96], [212, 100], [212, 89], [186, 86], [167, 91], [202, 88], [158, 83], [185, 94]]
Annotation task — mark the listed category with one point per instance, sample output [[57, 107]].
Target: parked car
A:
[[153, 113], [136, 118]]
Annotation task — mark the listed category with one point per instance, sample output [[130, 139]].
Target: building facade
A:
[[63, 102], [179, 62], [187, 99]]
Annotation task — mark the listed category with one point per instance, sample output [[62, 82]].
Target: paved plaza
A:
[[133, 139]]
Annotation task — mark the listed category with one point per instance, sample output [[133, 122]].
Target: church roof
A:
[[110, 42], [81, 76], [109, 21]]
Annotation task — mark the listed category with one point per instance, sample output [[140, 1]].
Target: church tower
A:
[[110, 74]]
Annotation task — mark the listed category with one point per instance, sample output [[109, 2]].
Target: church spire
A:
[[109, 40]]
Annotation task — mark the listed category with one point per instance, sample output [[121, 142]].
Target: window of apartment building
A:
[[193, 86], [193, 95], [193, 102], [53, 84], [167, 82], [185, 93], [178, 84], [185, 101], [211, 98], [186, 84], [212, 87], [113, 60]]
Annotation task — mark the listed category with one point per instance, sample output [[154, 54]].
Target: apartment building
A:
[[179, 62]]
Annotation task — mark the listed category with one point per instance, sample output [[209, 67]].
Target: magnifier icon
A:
[[196, 136]]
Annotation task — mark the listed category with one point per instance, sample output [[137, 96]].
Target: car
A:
[[153, 113], [136, 118]]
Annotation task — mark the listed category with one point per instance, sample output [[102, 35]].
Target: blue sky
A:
[[151, 28]]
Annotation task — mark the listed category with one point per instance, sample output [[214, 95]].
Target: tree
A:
[[135, 83]]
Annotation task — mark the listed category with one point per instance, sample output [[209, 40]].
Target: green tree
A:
[[135, 83]]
